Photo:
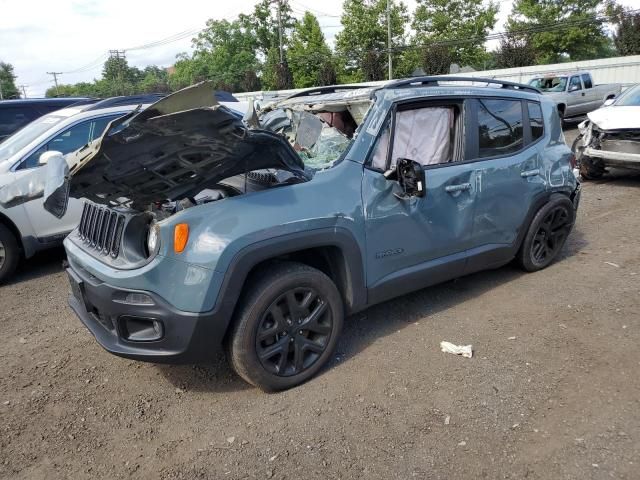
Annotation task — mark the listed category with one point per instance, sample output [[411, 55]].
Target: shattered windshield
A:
[[549, 84], [320, 139]]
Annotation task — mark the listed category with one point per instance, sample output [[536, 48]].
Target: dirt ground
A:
[[553, 390]]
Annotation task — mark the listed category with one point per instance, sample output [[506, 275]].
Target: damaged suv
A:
[[610, 137], [202, 231]]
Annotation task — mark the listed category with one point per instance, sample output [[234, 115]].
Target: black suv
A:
[[15, 114]]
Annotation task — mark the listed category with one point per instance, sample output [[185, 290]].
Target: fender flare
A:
[[240, 265]]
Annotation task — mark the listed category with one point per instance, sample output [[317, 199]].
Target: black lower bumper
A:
[[141, 325]]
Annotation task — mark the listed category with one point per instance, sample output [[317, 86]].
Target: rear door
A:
[[507, 147], [46, 226]]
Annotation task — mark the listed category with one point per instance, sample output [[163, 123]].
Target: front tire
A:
[[547, 234], [9, 253], [287, 326], [590, 169]]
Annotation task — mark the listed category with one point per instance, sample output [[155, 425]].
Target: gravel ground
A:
[[551, 393]]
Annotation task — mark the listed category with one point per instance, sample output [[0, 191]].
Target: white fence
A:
[[625, 70]]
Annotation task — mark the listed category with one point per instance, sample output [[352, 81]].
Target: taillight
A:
[[572, 161]]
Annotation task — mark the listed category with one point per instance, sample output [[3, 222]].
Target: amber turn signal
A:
[[180, 237]]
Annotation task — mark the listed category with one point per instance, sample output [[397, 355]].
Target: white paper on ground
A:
[[464, 350]]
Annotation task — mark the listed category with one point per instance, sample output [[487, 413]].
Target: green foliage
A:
[[514, 51], [262, 24], [464, 23], [276, 75], [309, 56], [362, 44], [581, 39], [224, 53], [118, 78], [7, 81], [626, 36]]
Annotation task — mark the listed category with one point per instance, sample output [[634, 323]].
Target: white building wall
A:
[[625, 70]]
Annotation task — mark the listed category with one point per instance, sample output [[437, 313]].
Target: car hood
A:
[[616, 118], [173, 149]]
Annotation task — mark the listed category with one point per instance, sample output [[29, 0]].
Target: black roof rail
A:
[[324, 90], [127, 100], [434, 82]]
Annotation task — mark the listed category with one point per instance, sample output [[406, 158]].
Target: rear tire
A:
[[287, 326], [9, 253], [547, 234]]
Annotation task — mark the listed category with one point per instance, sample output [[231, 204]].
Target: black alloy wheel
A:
[[551, 235], [286, 326], [294, 332], [547, 233]]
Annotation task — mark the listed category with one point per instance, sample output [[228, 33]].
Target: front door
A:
[[577, 103], [414, 242]]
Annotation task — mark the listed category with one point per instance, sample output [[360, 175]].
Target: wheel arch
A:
[[334, 251], [7, 222]]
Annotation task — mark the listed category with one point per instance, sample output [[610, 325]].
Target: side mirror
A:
[[608, 102], [411, 178], [574, 88], [46, 156]]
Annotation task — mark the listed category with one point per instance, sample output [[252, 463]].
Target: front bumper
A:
[[620, 159], [176, 336]]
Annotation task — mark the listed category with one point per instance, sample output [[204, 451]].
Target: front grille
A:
[[101, 229]]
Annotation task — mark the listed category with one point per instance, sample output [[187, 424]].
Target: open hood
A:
[[175, 148], [616, 118]]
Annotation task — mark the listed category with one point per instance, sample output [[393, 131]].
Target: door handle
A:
[[583, 94], [530, 173], [457, 188]]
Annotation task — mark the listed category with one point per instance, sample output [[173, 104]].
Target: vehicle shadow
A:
[[618, 176], [364, 328], [41, 264], [214, 377]]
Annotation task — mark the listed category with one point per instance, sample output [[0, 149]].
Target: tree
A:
[[514, 51], [276, 75], [7, 81], [224, 53], [560, 29], [309, 55], [263, 24], [362, 44], [436, 59], [626, 35], [459, 25]]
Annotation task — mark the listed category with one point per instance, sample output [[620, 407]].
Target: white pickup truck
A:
[[575, 93]]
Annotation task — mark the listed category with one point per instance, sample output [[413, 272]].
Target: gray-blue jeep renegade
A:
[[204, 230]]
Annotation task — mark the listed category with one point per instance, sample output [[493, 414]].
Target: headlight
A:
[[153, 239]]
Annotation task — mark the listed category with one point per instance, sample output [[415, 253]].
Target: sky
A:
[[74, 36]]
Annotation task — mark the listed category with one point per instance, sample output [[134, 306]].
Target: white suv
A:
[[28, 228]]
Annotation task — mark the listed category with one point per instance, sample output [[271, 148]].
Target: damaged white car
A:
[[610, 137]]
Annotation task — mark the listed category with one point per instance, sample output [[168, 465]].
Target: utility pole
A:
[[389, 38], [119, 54], [1, 96], [55, 79], [280, 30], [24, 91]]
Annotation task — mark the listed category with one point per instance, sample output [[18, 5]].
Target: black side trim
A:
[[238, 268]]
